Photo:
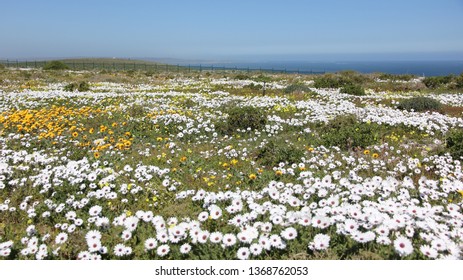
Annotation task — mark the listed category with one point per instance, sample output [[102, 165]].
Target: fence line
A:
[[127, 66]]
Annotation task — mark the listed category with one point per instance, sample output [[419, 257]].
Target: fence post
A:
[[200, 68]]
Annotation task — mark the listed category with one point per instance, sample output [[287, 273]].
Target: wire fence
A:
[[154, 67]]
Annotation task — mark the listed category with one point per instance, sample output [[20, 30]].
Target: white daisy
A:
[[203, 236], [61, 238], [151, 243], [320, 242], [119, 250], [185, 248], [243, 253], [93, 235], [203, 216], [289, 233], [94, 245], [215, 212], [265, 242], [428, 251], [95, 210], [229, 239], [216, 237], [403, 246], [255, 249], [163, 250], [126, 235]]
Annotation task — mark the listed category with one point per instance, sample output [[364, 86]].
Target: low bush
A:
[[329, 81], [353, 90], [253, 86], [82, 86], [454, 145], [437, 81], [458, 82], [420, 104], [347, 133], [244, 118], [297, 87], [396, 77], [55, 65], [339, 80], [242, 77], [273, 153]]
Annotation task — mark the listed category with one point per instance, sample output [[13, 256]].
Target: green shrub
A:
[[2, 66], [82, 86], [347, 133], [253, 86], [273, 153], [458, 82], [353, 89], [328, 82], [420, 104], [55, 65], [455, 143], [136, 111], [395, 77], [244, 118], [242, 77], [333, 81], [297, 87], [436, 82]]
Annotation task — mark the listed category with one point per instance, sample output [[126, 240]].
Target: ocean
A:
[[420, 68]]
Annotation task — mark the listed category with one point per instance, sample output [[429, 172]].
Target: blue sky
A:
[[202, 29]]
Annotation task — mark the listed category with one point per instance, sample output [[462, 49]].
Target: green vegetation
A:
[[330, 81], [275, 152], [353, 90], [420, 104], [438, 81], [455, 143], [348, 133], [242, 77], [396, 77], [82, 86], [297, 87], [55, 65], [244, 118], [341, 79]]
